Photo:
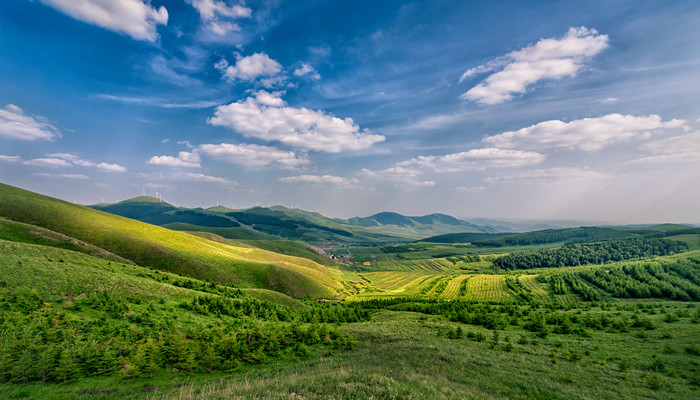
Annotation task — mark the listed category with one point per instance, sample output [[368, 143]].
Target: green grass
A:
[[409, 355], [178, 252]]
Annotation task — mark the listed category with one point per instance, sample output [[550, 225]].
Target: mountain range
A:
[[278, 222]]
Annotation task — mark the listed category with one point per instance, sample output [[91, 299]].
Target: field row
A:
[[479, 287]]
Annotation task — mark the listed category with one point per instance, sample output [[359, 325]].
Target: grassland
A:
[[414, 355], [97, 306], [172, 251]]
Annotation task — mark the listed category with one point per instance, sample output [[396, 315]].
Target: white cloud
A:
[[251, 67], [132, 17], [210, 9], [401, 176], [682, 148], [48, 162], [10, 159], [67, 176], [71, 159], [297, 127], [251, 155], [320, 179], [608, 100], [184, 176], [217, 15], [546, 59], [552, 174], [183, 159], [306, 69], [476, 159], [15, 124], [588, 134], [411, 172], [110, 167]]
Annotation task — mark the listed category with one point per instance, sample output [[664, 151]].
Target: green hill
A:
[[292, 224], [168, 250]]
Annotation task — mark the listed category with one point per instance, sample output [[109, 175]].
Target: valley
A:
[[96, 305]]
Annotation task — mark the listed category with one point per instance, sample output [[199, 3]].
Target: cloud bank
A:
[[546, 59], [588, 134]]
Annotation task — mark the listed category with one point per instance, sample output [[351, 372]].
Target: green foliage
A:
[[593, 253]]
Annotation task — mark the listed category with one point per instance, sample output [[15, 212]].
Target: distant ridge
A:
[[292, 224]]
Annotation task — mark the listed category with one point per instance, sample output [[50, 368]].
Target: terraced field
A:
[[430, 265], [455, 288], [487, 288], [445, 286]]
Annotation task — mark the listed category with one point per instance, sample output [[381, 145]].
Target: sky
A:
[[507, 109]]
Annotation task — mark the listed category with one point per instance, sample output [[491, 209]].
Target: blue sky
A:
[[511, 109]]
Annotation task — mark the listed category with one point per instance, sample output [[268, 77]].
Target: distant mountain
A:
[[518, 225], [278, 222], [570, 235]]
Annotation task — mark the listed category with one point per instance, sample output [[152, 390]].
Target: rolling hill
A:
[[278, 222], [152, 246]]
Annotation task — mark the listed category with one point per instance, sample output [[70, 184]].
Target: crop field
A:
[[455, 288], [430, 265], [487, 288], [398, 284]]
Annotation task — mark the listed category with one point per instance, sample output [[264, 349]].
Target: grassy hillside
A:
[[66, 315], [178, 252]]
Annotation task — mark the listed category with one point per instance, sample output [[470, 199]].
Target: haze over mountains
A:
[[281, 222]]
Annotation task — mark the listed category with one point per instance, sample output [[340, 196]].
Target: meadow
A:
[[81, 317]]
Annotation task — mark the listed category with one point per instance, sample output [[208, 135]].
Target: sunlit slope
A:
[[149, 245]]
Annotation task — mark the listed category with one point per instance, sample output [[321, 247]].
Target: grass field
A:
[[409, 355], [173, 251], [113, 308]]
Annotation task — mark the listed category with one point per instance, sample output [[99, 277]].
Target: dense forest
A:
[[572, 255]]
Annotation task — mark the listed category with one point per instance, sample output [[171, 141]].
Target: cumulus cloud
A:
[[261, 117], [682, 148], [552, 174], [588, 134], [319, 179], [131, 17], [249, 68], [546, 59], [110, 167], [10, 159], [251, 155], [217, 15], [307, 70], [183, 159], [15, 124], [476, 159]]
